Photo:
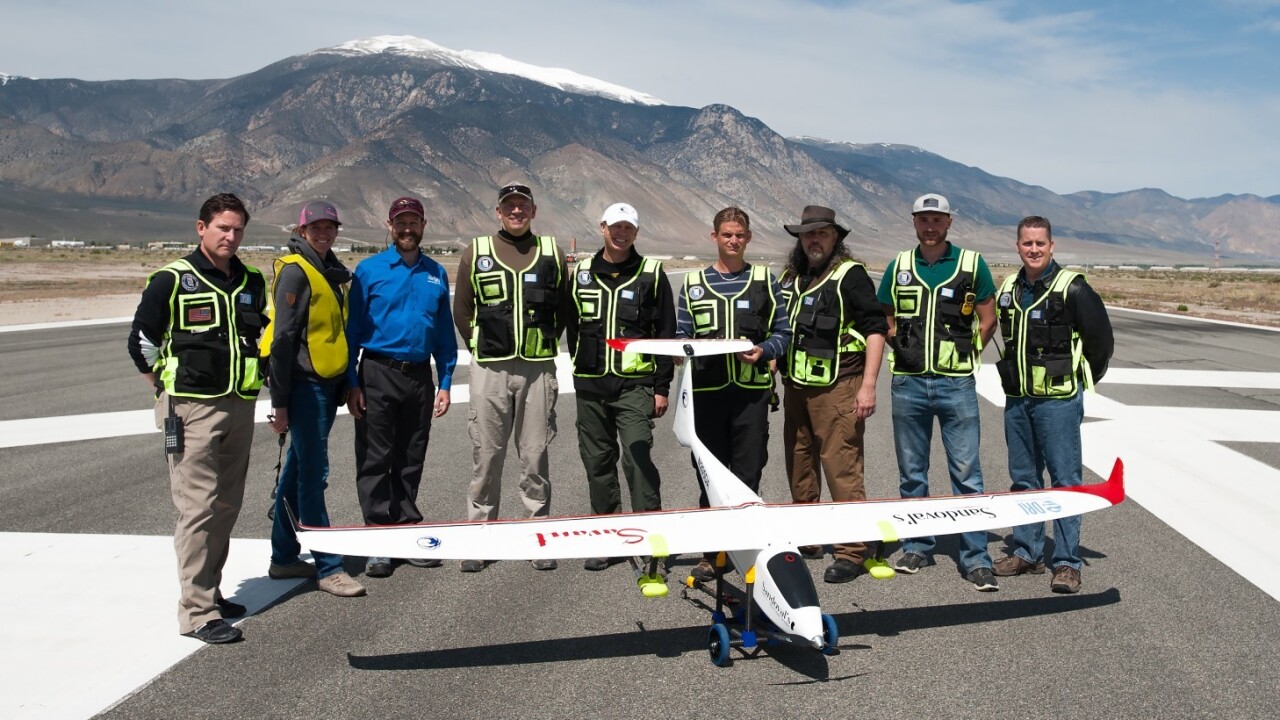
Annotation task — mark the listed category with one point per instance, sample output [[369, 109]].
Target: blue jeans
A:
[[312, 407], [1044, 433], [917, 400]]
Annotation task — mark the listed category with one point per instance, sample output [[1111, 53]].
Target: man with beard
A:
[[940, 302], [830, 370], [400, 318]]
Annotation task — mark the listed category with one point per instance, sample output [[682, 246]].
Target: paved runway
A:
[[1178, 616]]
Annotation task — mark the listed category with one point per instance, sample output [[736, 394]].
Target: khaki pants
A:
[[823, 436], [511, 398], [207, 483]]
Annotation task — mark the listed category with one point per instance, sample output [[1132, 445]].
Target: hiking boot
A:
[[910, 563], [424, 562], [983, 580], [544, 564], [215, 632], [842, 571], [703, 571], [1011, 565], [471, 566], [811, 552], [1066, 579], [341, 584], [595, 564], [378, 567], [296, 569]]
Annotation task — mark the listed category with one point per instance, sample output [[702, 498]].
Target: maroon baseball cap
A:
[[403, 205], [318, 210]]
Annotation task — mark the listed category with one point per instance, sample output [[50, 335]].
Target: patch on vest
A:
[[584, 277], [189, 282], [904, 277], [947, 292], [1036, 314], [696, 292], [628, 294], [485, 263], [199, 315], [787, 282], [245, 299], [744, 304], [1006, 299]]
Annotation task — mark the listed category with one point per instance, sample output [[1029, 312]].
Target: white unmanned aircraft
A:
[[762, 539]]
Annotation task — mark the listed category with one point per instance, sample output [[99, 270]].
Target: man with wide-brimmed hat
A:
[[940, 301], [837, 340]]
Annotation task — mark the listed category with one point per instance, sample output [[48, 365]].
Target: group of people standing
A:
[[203, 333]]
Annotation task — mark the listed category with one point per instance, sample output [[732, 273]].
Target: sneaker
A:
[[341, 584], [296, 569], [424, 562], [842, 571], [1066, 579], [910, 563], [595, 564], [215, 632], [471, 566], [544, 564], [1011, 565], [378, 567], [811, 552], [703, 571], [230, 609], [983, 580]]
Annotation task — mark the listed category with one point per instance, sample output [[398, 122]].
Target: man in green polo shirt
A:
[[940, 302]]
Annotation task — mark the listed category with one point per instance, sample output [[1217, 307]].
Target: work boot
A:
[[1011, 565]]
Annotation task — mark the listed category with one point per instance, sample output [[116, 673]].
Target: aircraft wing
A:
[[750, 526]]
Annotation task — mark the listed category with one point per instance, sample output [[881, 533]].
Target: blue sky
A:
[[1070, 94]]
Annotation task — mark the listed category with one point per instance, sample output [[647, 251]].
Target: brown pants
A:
[[823, 436], [207, 483]]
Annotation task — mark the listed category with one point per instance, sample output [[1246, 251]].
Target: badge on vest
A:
[[787, 282], [628, 294], [696, 292], [245, 298], [904, 277], [584, 277], [743, 305], [809, 300], [189, 282], [947, 293], [531, 277], [485, 263], [1035, 314], [1006, 299]]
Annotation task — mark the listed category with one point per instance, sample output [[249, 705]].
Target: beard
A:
[[408, 241]]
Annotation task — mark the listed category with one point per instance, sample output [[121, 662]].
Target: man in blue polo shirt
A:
[[400, 318], [940, 302]]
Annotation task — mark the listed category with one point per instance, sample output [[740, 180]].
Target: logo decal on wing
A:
[[913, 518], [426, 542], [630, 536]]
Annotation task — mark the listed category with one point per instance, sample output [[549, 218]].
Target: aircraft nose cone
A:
[[817, 642]]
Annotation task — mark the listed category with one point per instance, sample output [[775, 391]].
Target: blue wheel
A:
[[830, 635], [718, 644]]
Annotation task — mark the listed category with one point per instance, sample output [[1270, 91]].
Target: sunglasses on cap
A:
[[515, 189]]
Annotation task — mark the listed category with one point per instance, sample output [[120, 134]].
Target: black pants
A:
[[734, 425], [391, 441]]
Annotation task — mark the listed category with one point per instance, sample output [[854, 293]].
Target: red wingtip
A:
[[1112, 490], [619, 344]]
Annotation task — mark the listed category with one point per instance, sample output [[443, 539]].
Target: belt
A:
[[401, 365]]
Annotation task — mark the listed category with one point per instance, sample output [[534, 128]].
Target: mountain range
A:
[[370, 120]]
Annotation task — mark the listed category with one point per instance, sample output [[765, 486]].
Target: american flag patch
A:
[[198, 315]]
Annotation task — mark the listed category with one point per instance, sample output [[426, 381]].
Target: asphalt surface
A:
[[1161, 629]]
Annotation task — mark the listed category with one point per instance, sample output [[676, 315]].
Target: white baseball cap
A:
[[621, 212], [932, 202]]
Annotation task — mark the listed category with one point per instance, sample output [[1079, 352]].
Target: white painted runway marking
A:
[[95, 426], [1217, 498], [64, 652]]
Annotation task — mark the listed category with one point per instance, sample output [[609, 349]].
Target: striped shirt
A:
[[728, 285]]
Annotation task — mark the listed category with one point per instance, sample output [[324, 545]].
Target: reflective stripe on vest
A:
[[744, 315], [626, 311], [210, 348], [515, 318], [1047, 353], [820, 333], [933, 332], [326, 321]]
